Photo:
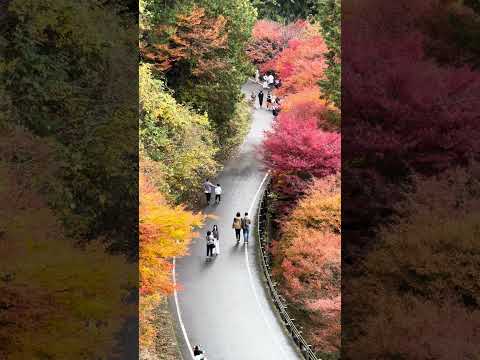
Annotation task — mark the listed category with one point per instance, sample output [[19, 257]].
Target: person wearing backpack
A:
[[246, 227], [237, 225], [210, 244]]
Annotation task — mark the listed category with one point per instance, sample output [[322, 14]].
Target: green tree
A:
[[329, 17], [179, 141], [286, 10], [218, 93]]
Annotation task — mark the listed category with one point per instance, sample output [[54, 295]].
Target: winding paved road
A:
[[223, 305]]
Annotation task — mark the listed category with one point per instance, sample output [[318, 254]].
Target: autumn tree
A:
[[179, 140], [165, 232], [193, 46], [300, 65], [307, 262], [212, 84], [301, 148], [269, 38], [307, 104]]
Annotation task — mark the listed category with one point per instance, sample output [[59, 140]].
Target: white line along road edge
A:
[[252, 284], [179, 314], [177, 305]]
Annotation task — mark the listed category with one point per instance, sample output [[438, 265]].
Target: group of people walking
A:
[[213, 244], [271, 104], [268, 80], [210, 188], [240, 224]]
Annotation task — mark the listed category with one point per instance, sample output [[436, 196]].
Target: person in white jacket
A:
[[217, 238], [218, 194]]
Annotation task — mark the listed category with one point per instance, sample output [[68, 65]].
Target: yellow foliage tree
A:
[[165, 232]]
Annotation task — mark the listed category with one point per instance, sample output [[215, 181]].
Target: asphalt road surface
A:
[[223, 305]]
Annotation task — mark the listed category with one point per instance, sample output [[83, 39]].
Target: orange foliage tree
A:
[[270, 37], [195, 38], [307, 104], [307, 261], [165, 232], [300, 65]]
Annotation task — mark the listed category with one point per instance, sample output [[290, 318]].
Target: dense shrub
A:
[[178, 138], [307, 261], [306, 104]]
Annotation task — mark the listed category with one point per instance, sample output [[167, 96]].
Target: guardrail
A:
[[278, 300]]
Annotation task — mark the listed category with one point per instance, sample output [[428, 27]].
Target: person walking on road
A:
[[218, 194], [198, 354], [237, 225], [246, 227], [269, 100], [257, 76], [260, 98], [217, 238], [210, 244], [252, 98], [270, 80], [207, 188]]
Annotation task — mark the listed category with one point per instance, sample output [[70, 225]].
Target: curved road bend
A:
[[223, 305]]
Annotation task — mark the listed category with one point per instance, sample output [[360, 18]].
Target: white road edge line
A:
[[179, 314], [284, 355]]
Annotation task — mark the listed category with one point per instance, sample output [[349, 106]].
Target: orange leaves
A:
[[267, 29], [300, 65], [309, 256], [307, 104], [165, 232], [195, 38]]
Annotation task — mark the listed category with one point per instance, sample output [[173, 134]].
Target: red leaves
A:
[[300, 147], [269, 38], [300, 65], [300, 152]]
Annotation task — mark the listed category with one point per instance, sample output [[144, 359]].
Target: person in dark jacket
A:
[[260, 98]]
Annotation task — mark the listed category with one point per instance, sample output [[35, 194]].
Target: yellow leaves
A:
[[320, 210], [165, 232], [161, 105]]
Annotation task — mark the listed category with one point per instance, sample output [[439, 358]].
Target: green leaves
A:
[[329, 17], [181, 140]]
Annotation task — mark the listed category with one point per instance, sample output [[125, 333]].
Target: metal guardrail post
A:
[[278, 300]]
